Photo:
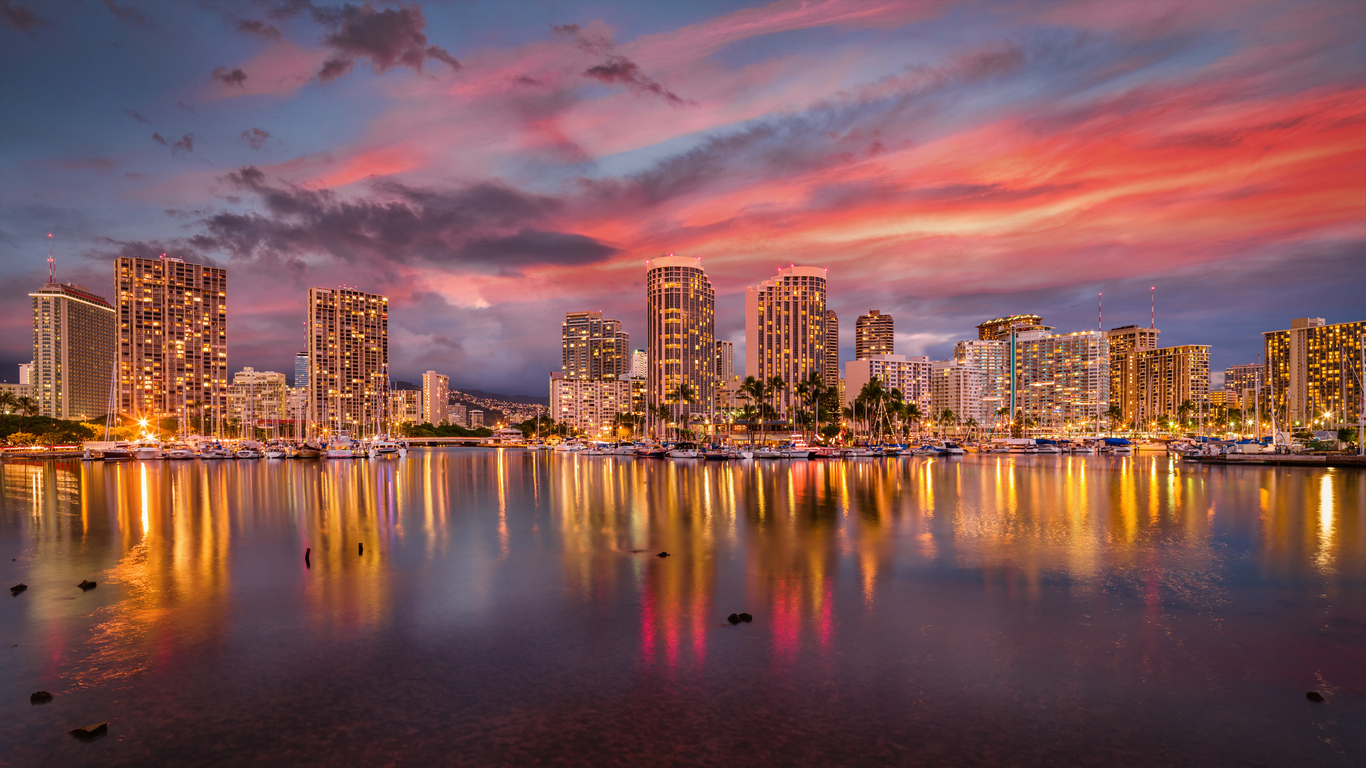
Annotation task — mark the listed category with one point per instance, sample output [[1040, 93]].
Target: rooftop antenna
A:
[[1099, 313], [1152, 307], [51, 263]]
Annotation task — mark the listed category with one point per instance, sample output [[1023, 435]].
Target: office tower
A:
[[592, 348], [74, 335], [1312, 373], [348, 359], [476, 419], [1163, 379], [830, 373], [991, 361], [1060, 380], [910, 375], [257, 400], [725, 361], [1240, 385], [1126, 342], [873, 335], [588, 407], [993, 330], [680, 321], [785, 328], [457, 415], [301, 370], [640, 364], [435, 398], [173, 340], [957, 386]]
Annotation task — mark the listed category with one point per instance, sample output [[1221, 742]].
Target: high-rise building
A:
[[873, 335], [1163, 379], [909, 375], [1126, 342], [173, 339], [1240, 385], [458, 415], [435, 398], [831, 372], [74, 336], [588, 407], [405, 406], [1312, 372], [640, 364], [725, 360], [956, 386], [301, 370], [257, 400], [785, 328], [1060, 380], [680, 321], [993, 330], [348, 359], [593, 348], [26, 375], [476, 419], [991, 361]]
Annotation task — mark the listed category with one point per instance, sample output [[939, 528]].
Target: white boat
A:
[[275, 452], [798, 451], [146, 448], [385, 446], [247, 453], [215, 451], [623, 449], [341, 447], [925, 450], [179, 452], [862, 452], [684, 451]]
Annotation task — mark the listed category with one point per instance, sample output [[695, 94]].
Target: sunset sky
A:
[[492, 165]]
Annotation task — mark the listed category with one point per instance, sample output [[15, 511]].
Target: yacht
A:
[[308, 450], [179, 452], [215, 451], [247, 452], [341, 447], [119, 452], [768, 452], [799, 451], [275, 451], [684, 451], [385, 446], [146, 448]]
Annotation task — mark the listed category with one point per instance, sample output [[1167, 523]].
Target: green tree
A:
[[26, 405], [812, 390], [22, 438], [1116, 416]]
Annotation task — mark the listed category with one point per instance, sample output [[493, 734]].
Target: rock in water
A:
[[90, 731], [41, 697], [662, 554], [360, 549], [306, 551], [17, 588], [746, 617], [733, 619], [1314, 696], [87, 585]]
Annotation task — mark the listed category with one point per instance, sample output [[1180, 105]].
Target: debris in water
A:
[[17, 588], [89, 731], [307, 550], [41, 697], [1314, 696], [745, 617], [662, 554], [87, 585], [733, 619]]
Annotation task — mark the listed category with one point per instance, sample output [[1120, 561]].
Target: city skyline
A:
[[1207, 154]]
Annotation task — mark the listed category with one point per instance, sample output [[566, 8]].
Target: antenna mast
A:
[[1152, 307], [1099, 307], [51, 264]]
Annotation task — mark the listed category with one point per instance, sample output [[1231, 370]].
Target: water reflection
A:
[[202, 560]]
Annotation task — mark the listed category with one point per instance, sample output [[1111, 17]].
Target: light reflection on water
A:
[[900, 605]]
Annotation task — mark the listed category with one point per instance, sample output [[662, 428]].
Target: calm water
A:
[[980, 611]]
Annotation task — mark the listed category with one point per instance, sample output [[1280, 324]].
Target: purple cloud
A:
[[229, 77]]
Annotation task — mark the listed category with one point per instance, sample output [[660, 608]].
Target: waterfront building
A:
[[785, 328], [830, 373], [640, 364], [15, 389], [993, 330], [1060, 380], [1126, 388], [680, 334], [1216, 398], [1312, 372], [458, 414], [588, 407], [296, 410], [257, 400], [172, 339], [991, 361], [725, 360], [476, 419], [26, 376], [1163, 379], [594, 348], [435, 398], [957, 386], [301, 370], [640, 394], [405, 406], [74, 337], [873, 335], [1240, 385], [910, 375], [348, 359]]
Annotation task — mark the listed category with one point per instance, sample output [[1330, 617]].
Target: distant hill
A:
[[523, 399]]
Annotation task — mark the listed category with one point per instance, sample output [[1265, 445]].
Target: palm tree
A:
[[6, 401], [776, 385], [995, 422], [683, 393], [1116, 416], [1184, 410], [811, 390], [756, 391], [913, 414], [26, 404]]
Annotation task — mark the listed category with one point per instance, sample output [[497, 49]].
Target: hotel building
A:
[[172, 339], [588, 407], [405, 406], [74, 336], [873, 335], [991, 361], [993, 330], [435, 398], [1164, 378], [594, 348], [301, 370], [831, 372], [348, 359], [257, 399], [1313, 370], [956, 386], [910, 375], [1059, 379], [785, 328], [640, 364], [1126, 342], [1240, 385], [680, 334], [725, 360]]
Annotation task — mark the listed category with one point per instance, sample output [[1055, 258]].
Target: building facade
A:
[[301, 370], [1164, 378], [1312, 372], [956, 386], [1241, 383], [993, 330], [680, 318], [594, 348], [476, 418], [589, 407], [172, 339], [785, 328], [991, 361], [725, 360], [873, 335], [1060, 381], [257, 400], [1126, 387], [909, 375], [74, 337], [435, 398], [640, 364], [831, 371], [348, 359]]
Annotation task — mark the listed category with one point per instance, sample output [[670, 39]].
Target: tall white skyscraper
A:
[[681, 333], [435, 398], [74, 337], [785, 327], [348, 356]]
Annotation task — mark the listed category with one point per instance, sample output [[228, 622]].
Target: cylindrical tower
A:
[[681, 332]]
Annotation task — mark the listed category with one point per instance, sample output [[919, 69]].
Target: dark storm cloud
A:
[[229, 77], [620, 69], [141, 118], [184, 143], [259, 28], [256, 138], [16, 16]]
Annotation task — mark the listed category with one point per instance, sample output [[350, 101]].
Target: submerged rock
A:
[[41, 697], [746, 617], [733, 619], [90, 731], [360, 549], [307, 550], [662, 554], [1314, 696], [87, 585], [17, 588]]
